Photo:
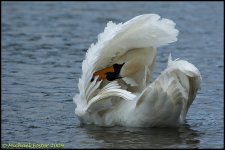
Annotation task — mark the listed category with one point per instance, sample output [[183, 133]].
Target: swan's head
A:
[[110, 73]]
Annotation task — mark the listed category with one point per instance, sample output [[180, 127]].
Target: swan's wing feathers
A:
[[103, 98], [173, 91], [140, 32], [163, 100], [189, 78], [144, 31]]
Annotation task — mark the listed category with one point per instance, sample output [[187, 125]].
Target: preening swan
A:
[[116, 86]]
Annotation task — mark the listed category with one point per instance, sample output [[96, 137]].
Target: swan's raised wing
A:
[[142, 31], [171, 94]]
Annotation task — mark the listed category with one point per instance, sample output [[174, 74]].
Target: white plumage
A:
[[134, 100]]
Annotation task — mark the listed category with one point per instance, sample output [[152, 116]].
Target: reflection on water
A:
[[121, 137]]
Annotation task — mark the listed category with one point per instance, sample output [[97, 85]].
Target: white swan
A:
[[115, 86]]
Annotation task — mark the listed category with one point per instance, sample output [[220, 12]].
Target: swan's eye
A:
[[117, 67]]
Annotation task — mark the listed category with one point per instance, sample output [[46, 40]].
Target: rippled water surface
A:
[[44, 43]]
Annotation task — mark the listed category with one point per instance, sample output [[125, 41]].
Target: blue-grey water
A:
[[44, 43]]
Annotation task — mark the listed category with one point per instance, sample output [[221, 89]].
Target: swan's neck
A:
[[138, 68]]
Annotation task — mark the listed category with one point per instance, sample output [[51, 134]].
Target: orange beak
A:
[[102, 73]]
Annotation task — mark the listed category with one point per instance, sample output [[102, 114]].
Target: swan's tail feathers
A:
[[172, 92]]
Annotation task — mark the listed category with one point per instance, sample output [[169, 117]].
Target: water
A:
[[44, 43]]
